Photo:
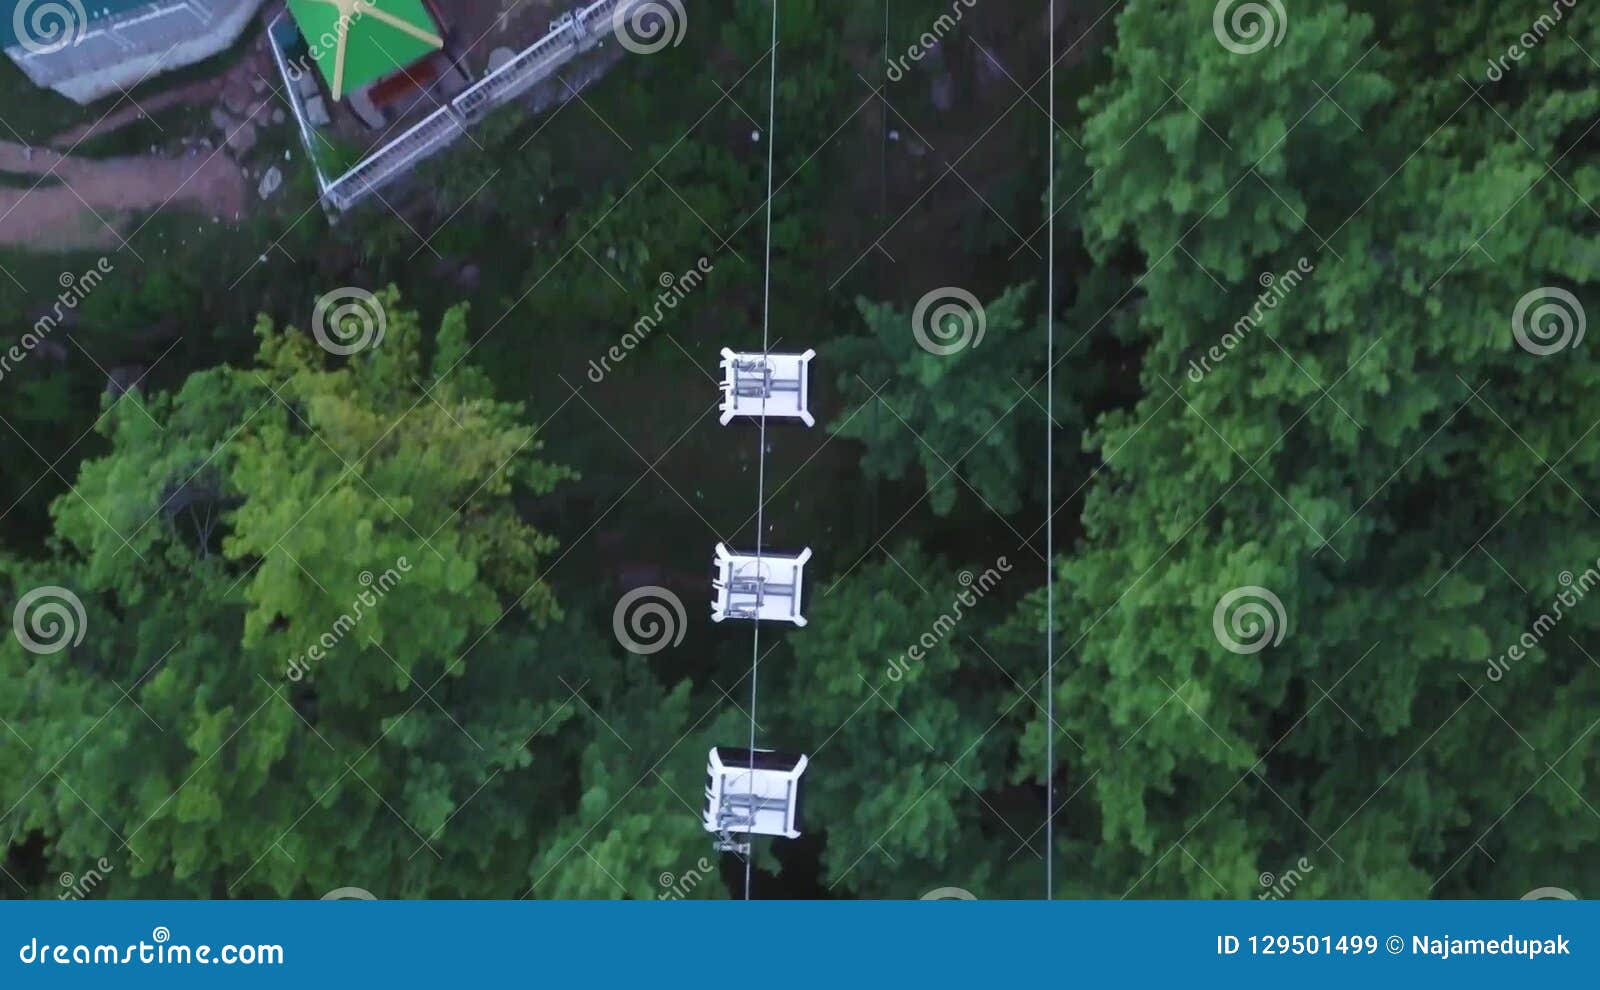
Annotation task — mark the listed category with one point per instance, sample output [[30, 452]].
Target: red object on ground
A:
[[414, 77]]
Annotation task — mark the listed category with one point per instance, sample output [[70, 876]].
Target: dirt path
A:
[[201, 93], [81, 203]]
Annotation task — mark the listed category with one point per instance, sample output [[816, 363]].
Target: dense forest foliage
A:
[[1321, 287]]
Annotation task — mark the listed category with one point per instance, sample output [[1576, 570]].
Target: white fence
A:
[[568, 37]]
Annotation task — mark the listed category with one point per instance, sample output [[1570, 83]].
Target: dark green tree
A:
[[1375, 444]]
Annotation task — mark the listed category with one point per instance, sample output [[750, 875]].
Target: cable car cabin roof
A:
[[765, 759], [766, 587], [765, 801], [775, 385]]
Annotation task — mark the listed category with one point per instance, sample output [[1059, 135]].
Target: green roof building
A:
[[358, 42]]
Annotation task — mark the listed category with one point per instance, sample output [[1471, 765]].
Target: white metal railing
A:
[[429, 135], [513, 79], [597, 18], [567, 38], [292, 94]]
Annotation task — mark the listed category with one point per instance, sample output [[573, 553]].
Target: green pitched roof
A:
[[356, 42]]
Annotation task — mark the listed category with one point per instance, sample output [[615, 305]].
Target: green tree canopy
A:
[[1372, 446]]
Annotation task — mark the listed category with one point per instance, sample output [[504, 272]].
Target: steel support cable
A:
[[761, 455]]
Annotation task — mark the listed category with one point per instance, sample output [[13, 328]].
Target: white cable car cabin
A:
[[756, 384], [759, 588], [743, 801]]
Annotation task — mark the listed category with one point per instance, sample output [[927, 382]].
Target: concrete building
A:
[[87, 49]]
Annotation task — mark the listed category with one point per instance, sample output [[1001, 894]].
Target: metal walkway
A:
[[570, 36]]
